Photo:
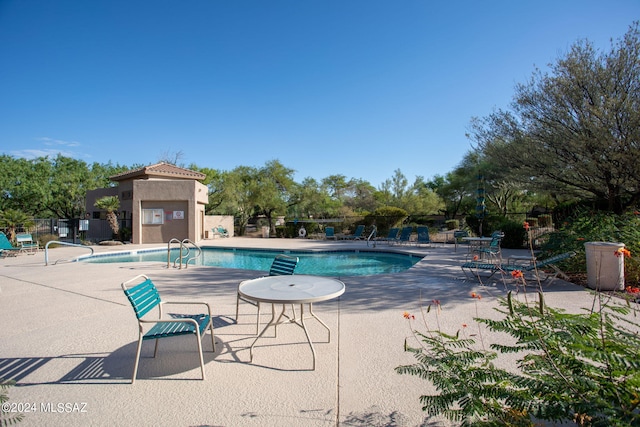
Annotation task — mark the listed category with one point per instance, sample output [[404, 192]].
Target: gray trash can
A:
[[265, 232], [605, 270]]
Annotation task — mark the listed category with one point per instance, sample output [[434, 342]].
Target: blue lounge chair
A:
[[145, 299], [473, 268], [6, 248], [405, 235], [423, 236], [220, 231], [25, 240], [537, 267], [392, 236], [282, 265], [357, 235], [329, 233]]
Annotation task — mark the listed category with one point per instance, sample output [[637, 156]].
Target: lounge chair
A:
[[220, 231], [6, 248], [423, 236], [329, 233], [536, 268], [392, 236], [282, 265], [144, 299], [26, 243], [405, 235], [357, 235]]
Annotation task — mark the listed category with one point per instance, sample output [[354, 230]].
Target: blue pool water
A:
[[333, 264]]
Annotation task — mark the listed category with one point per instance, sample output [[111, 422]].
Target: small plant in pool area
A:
[[8, 417], [581, 368]]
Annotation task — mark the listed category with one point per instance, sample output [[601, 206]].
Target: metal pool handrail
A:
[[57, 242], [372, 236], [183, 246]]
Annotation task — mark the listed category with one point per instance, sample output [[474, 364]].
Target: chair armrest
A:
[[188, 303], [178, 319]]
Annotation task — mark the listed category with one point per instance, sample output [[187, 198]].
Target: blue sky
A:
[[354, 87]]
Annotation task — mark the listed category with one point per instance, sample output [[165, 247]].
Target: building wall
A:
[[213, 221], [182, 202], [175, 224], [187, 197]]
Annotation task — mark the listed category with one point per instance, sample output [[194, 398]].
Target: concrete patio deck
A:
[[68, 338]]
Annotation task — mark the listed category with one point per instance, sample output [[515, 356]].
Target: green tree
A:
[[417, 198], [313, 200], [25, 185], [241, 187], [273, 190], [362, 196], [12, 219], [576, 129], [337, 186], [111, 204]]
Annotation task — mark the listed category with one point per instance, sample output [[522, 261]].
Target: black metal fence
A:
[[75, 230]]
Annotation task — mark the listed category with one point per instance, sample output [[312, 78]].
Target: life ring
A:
[[302, 232]]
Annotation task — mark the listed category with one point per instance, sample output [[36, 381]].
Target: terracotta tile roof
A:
[[164, 170]]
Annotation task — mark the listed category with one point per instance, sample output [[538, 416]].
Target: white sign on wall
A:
[[178, 214]]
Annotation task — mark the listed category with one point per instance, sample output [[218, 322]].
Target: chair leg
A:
[[155, 351], [200, 354], [213, 340], [135, 365]]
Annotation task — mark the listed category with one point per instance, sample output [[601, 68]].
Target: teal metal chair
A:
[[145, 300], [6, 248], [220, 231], [25, 240], [537, 268], [423, 235], [405, 235], [282, 265], [357, 235], [329, 233], [492, 252], [392, 236]]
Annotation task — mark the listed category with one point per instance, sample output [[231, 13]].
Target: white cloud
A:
[[36, 152], [52, 141], [51, 147]]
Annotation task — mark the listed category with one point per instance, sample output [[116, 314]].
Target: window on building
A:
[[152, 216]]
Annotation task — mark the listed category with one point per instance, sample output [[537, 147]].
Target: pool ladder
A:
[[372, 236], [185, 256]]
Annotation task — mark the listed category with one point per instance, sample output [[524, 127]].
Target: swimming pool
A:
[[329, 263]]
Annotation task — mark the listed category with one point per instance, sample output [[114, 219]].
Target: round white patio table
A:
[[291, 289]]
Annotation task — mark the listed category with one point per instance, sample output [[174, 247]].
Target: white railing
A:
[[57, 242], [185, 252], [372, 236]]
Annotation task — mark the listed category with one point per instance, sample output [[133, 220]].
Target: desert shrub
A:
[[43, 239], [514, 234], [385, 218], [452, 224], [545, 220], [580, 368]]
